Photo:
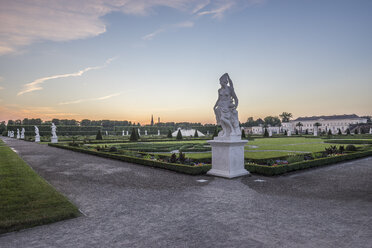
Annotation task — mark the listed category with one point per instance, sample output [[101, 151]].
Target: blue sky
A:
[[129, 59]]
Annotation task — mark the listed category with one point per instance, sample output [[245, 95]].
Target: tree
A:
[[348, 131], [243, 134], [134, 135], [356, 131], [296, 131], [329, 132], [266, 133], [307, 131], [285, 116], [85, 122], [179, 135], [299, 125], [285, 132], [56, 121], [196, 135], [99, 135], [215, 133], [169, 135], [339, 132], [272, 121], [317, 125]]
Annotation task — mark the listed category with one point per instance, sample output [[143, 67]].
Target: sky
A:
[[129, 59]]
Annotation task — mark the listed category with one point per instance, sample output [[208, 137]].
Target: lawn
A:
[[26, 200]]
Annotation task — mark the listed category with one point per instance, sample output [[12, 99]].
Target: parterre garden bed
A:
[[269, 156]]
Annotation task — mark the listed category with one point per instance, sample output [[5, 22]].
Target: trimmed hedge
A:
[[186, 169], [281, 169], [349, 141]]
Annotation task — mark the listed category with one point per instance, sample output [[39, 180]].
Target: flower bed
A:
[[281, 169], [182, 168]]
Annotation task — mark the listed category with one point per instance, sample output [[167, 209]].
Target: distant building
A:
[[332, 122], [152, 120], [260, 130]]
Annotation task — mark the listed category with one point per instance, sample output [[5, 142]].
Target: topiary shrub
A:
[[179, 135], [169, 135], [341, 149], [266, 133], [339, 132], [329, 132], [285, 132], [348, 131], [133, 135], [356, 131], [307, 131], [350, 148], [173, 158], [182, 157], [296, 132], [243, 134], [196, 135], [99, 135]]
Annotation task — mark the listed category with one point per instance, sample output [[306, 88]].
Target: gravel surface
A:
[[128, 205]]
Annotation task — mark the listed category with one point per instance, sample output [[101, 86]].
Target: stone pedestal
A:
[[37, 138], [315, 133], [228, 158], [22, 136], [54, 139]]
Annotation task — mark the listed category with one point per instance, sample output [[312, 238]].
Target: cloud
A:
[[91, 99], [26, 22], [150, 36], [218, 11], [36, 84]]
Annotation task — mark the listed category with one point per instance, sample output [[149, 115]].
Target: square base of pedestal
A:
[[54, 140], [228, 158]]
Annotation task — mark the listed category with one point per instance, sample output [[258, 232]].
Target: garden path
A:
[[128, 205]]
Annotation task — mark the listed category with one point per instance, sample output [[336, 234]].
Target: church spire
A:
[[152, 120]]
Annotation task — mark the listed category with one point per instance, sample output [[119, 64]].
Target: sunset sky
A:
[[128, 59]]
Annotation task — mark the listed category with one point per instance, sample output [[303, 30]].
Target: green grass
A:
[[26, 200]]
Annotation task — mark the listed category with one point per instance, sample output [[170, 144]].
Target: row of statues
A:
[[21, 135]]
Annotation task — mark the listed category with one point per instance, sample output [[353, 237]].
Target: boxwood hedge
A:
[[349, 141], [281, 169], [186, 169]]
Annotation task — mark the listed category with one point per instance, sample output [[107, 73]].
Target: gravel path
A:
[[129, 205]]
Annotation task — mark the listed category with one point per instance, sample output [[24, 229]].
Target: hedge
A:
[[186, 169], [349, 141], [281, 169]]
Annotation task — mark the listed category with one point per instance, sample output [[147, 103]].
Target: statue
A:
[[37, 135], [227, 147], [23, 133], [18, 135], [54, 129], [225, 109]]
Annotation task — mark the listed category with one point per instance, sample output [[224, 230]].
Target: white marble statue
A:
[[158, 132], [8, 133], [207, 132], [12, 134], [289, 133], [145, 132], [18, 134], [270, 133], [122, 133], [225, 109], [106, 133], [127, 133], [54, 138], [54, 130], [228, 147], [23, 133], [139, 132], [37, 135], [370, 130]]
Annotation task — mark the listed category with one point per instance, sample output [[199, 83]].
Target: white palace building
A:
[[333, 123]]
